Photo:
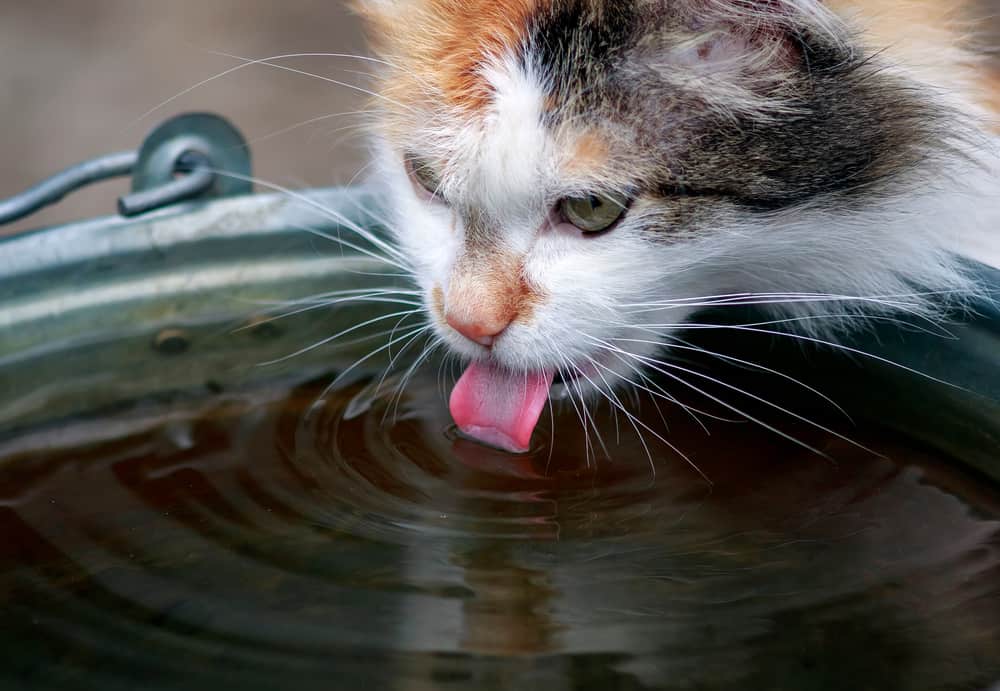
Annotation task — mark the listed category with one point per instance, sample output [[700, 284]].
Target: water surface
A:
[[263, 540]]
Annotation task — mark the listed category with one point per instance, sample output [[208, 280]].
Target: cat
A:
[[570, 180]]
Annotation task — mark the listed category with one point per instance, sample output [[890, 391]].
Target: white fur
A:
[[507, 164]]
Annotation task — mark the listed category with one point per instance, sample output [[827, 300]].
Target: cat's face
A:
[[571, 178]]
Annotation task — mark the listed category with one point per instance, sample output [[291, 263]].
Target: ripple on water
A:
[[264, 538]]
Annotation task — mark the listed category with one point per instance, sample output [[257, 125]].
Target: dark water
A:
[[261, 541]]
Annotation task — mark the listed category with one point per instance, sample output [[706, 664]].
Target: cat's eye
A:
[[421, 172], [594, 213]]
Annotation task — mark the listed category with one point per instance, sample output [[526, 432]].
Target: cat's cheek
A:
[[425, 230]]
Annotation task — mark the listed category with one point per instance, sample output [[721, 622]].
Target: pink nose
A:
[[482, 332]]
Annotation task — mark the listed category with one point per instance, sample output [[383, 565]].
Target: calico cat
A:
[[572, 179]]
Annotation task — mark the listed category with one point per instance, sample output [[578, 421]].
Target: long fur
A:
[[772, 147]]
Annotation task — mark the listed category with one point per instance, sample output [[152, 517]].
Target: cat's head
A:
[[571, 178]]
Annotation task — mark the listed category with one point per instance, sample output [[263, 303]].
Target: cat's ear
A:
[[752, 34], [764, 10], [774, 16], [739, 55]]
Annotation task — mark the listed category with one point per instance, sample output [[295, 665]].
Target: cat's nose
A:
[[482, 331]]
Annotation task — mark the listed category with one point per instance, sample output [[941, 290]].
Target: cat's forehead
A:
[[588, 89], [763, 104], [442, 45], [476, 87]]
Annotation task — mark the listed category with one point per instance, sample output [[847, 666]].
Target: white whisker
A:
[[306, 123], [819, 341], [337, 335], [357, 363], [663, 367], [324, 304], [401, 387], [748, 363], [399, 260], [247, 62], [637, 421]]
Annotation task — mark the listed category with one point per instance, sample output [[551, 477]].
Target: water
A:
[[257, 539]]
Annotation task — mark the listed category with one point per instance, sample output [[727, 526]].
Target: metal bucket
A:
[[99, 313], [114, 326]]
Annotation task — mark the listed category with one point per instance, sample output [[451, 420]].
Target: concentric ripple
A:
[[267, 540]]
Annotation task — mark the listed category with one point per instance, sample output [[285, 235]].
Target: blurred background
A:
[[77, 76]]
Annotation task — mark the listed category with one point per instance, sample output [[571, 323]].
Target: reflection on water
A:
[[261, 541]]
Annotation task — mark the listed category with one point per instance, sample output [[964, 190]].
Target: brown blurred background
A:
[[76, 75]]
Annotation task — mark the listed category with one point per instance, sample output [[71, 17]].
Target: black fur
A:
[[855, 128]]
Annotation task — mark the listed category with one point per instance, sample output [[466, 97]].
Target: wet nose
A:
[[479, 330]]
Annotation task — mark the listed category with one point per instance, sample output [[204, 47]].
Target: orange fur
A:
[[440, 45], [588, 154], [930, 38], [488, 288]]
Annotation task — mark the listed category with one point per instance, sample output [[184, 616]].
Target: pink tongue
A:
[[498, 407]]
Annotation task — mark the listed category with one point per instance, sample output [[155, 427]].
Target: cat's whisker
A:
[[659, 411], [623, 354], [729, 358], [355, 129], [832, 317], [616, 405], [326, 298], [313, 121], [662, 393], [250, 63], [578, 410], [398, 261], [761, 399], [369, 337], [337, 335], [324, 304], [427, 352], [586, 411], [552, 432], [305, 123], [724, 297], [400, 386], [321, 300], [914, 309], [636, 421], [271, 63], [354, 178], [639, 308], [320, 297], [665, 367], [810, 339], [360, 361], [656, 391], [374, 215]]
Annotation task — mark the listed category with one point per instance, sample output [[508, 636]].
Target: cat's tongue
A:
[[498, 407]]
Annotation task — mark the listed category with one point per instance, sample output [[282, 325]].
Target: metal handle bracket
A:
[[190, 156]]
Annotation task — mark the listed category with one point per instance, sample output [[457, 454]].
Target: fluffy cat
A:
[[572, 179]]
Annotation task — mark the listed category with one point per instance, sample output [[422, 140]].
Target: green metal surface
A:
[[82, 306]]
